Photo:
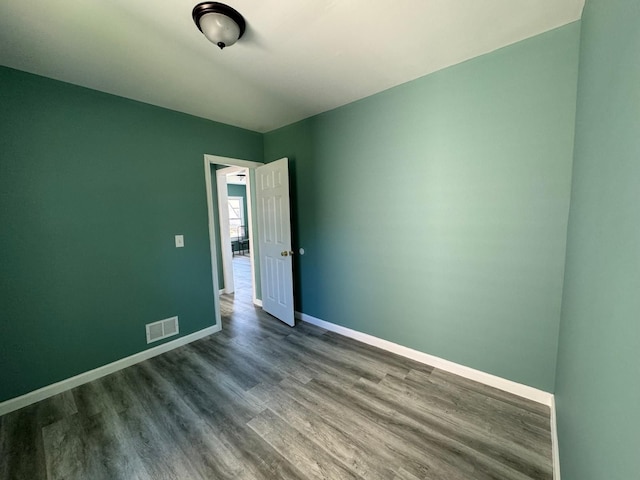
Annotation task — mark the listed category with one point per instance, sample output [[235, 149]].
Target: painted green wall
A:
[[598, 380], [434, 214], [93, 189], [240, 191]]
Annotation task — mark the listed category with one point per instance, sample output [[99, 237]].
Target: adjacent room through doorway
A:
[[238, 207], [236, 249]]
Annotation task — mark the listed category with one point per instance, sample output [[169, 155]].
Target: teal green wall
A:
[[598, 380], [434, 214], [93, 189], [240, 191]]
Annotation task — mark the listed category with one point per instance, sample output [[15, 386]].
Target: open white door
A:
[[274, 233]]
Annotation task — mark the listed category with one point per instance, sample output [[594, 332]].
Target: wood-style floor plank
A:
[[388, 447], [260, 400], [354, 452], [21, 445], [299, 450], [187, 432]]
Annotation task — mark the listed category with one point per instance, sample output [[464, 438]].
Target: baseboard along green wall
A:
[[94, 188], [434, 214]]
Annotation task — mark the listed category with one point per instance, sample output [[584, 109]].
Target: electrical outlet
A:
[[179, 241]]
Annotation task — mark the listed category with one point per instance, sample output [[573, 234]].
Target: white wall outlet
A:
[[179, 241]]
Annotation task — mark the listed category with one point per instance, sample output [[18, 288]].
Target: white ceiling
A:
[[297, 58], [235, 175]]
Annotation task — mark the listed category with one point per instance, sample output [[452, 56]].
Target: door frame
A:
[[213, 244]]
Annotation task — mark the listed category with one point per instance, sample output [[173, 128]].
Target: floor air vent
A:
[[162, 329]]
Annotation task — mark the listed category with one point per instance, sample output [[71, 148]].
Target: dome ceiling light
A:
[[220, 23]]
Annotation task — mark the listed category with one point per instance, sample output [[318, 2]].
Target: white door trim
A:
[[252, 242], [231, 162], [213, 245], [225, 239]]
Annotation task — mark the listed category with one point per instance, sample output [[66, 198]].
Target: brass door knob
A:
[[284, 254]]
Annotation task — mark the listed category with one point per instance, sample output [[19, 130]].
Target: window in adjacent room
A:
[[236, 218]]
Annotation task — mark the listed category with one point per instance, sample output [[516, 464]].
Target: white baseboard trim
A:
[[555, 449], [85, 377], [221, 291], [257, 302], [510, 386]]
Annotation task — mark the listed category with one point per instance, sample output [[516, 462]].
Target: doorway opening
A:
[[220, 233], [274, 250], [236, 232]]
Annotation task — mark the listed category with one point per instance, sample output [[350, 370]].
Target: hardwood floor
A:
[[261, 400]]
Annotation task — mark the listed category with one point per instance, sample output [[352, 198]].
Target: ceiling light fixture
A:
[[220, 23]]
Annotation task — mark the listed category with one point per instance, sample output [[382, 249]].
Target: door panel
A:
[[274, 232]]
